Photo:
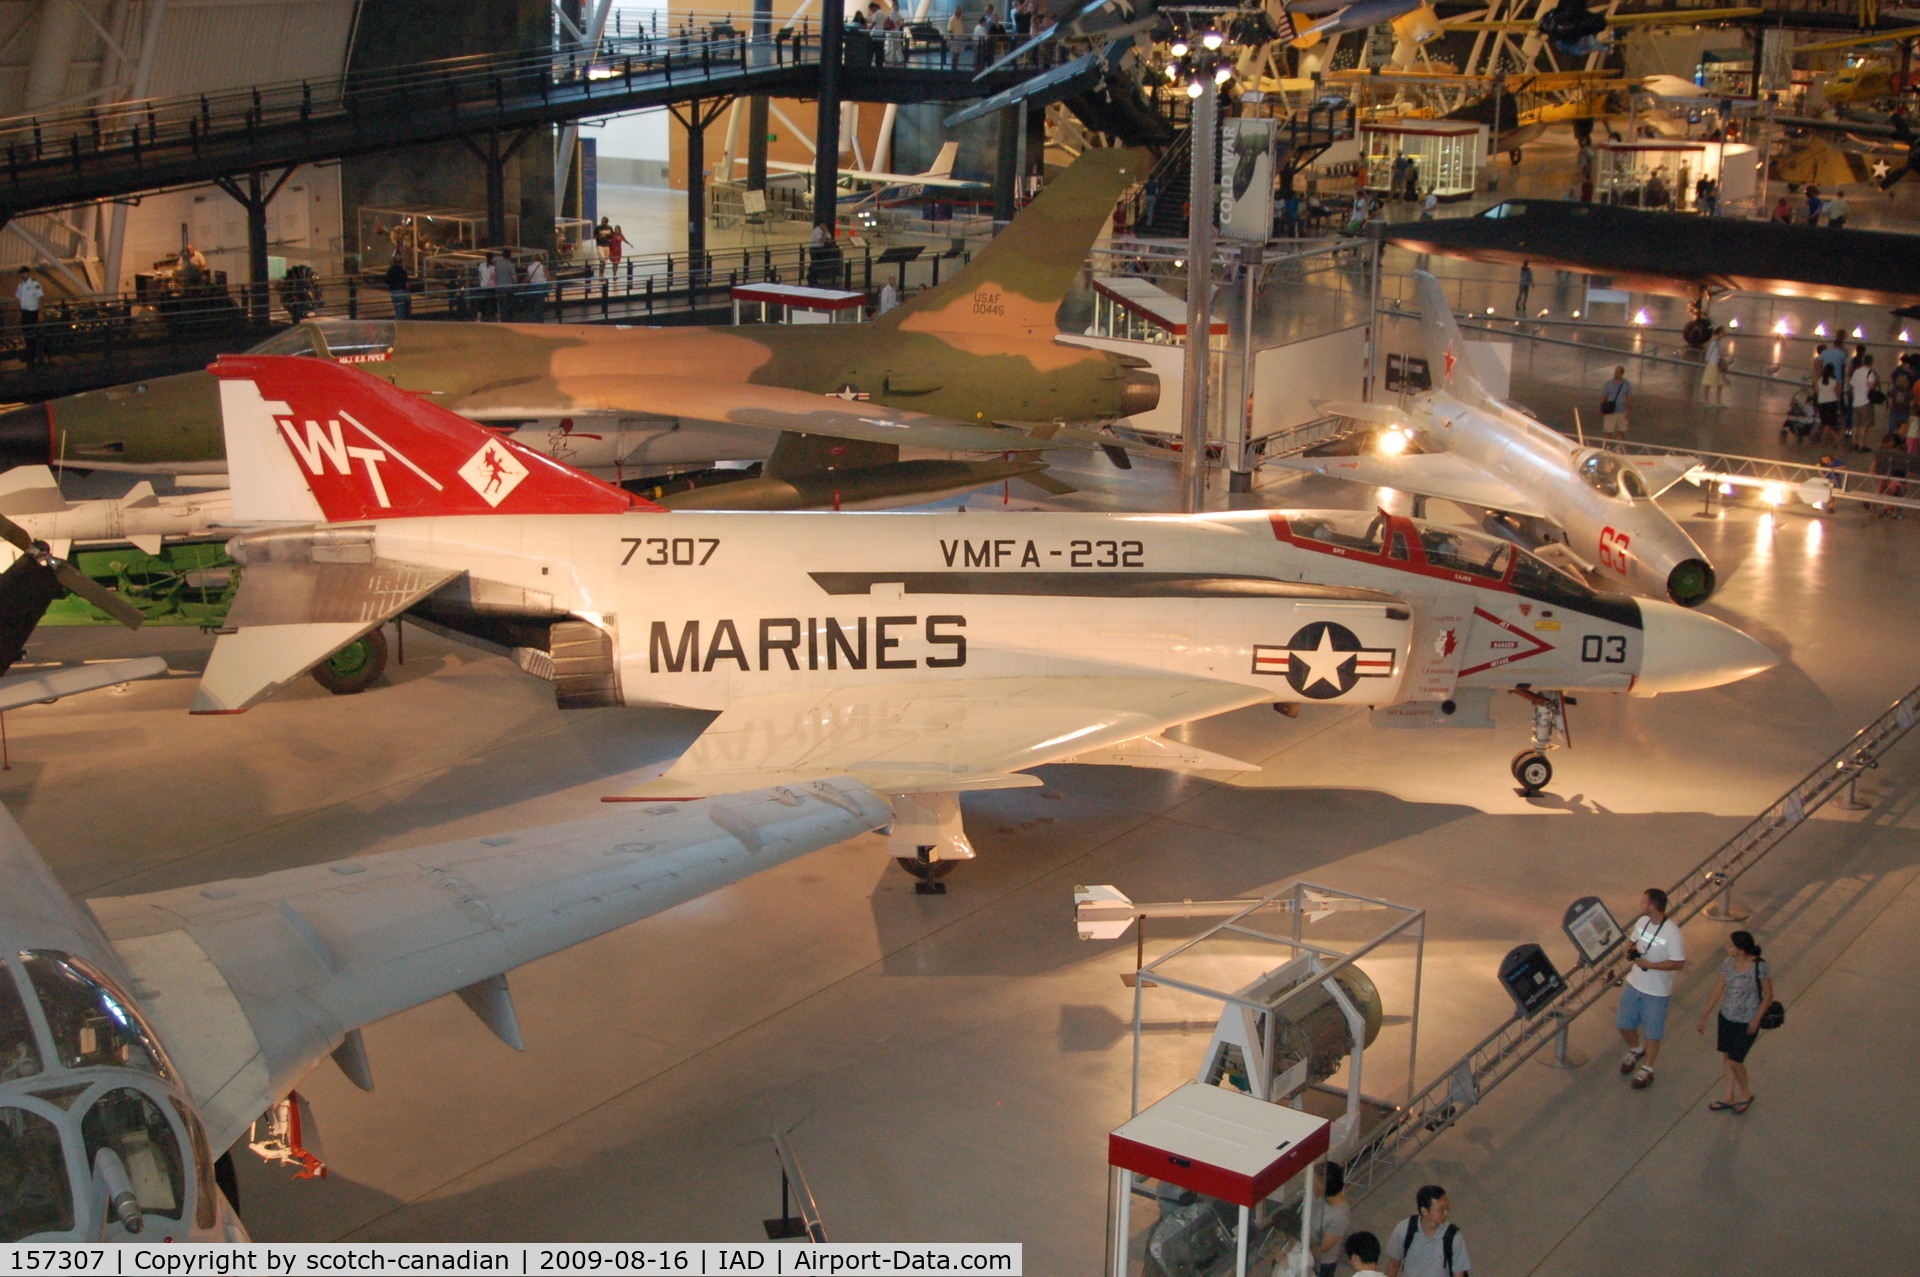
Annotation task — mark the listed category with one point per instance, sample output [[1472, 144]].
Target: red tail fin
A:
[[365, 449]]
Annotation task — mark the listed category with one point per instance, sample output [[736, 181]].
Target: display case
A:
[[1446, 154], [1210, 1180], [796, 304], [1654, 175], [1135, 308], [416, 234]]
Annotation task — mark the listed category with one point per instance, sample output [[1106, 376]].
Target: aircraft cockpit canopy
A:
[[55, 1126], [1606, 473], [90, 1023], [337, 338]]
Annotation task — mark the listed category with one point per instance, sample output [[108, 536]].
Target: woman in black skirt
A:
[[1743, 993]]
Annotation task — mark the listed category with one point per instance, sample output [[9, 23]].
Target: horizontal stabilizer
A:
[[30, 490], [32, 688], [290, 616], [248, 666]]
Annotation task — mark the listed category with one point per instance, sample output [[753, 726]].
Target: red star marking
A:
[[1450, 362]]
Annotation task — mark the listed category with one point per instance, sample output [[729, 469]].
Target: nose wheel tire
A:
[[1532, 770], [926, 874]]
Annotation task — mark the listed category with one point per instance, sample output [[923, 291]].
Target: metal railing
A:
[[1442, 1102], [409, 99], [1788, 476], [654, 286]]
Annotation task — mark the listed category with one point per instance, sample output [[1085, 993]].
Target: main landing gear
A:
[[926, 838], [1530, 766]]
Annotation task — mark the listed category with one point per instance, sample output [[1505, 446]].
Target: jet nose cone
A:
[[1686, 651], [26, 436]]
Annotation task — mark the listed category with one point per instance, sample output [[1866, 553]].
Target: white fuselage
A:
[[704, 608], [1631, 539]]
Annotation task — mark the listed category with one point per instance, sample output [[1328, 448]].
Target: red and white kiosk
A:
[[1204, 1173], [796, 304]]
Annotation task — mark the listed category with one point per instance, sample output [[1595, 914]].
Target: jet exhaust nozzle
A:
[[26, 436], [1691, 582], [1140, 394]]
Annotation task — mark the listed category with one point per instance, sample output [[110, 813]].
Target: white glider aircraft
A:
[[922, 654], [1459, 443]]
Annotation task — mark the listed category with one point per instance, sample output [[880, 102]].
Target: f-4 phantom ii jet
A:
[[1457, 442], [924, 655], [847, 414], [140, 1036]]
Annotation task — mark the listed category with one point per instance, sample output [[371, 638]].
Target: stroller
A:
[[1801, 417]]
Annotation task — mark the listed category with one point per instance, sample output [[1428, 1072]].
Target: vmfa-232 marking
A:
[[1327, 606]]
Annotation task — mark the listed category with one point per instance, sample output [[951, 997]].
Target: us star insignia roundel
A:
[[1324, 660], [493, 472]]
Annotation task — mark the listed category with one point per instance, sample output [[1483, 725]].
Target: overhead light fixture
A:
[[1195, 89], [1820, 329], [1576, 314], [1393, 443], [1543, 312], [1179, 49], [1773, 494], [1173, 72], [1222, 73], [1726, 489], [1904, 339], [1781, 328], [1212, 41], [1641, 317], [1734, 322], [1860, 332], [1489, 310]]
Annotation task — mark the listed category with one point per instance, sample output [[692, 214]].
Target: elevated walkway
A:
[[60, 159]]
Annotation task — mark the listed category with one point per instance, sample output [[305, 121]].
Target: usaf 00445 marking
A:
[[924, 654]]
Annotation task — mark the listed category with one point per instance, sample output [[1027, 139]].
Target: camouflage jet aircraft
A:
[[845, 414]]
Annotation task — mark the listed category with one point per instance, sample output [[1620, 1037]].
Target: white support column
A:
[[588, 44], [156, 14]]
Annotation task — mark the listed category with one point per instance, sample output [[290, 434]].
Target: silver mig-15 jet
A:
[[922, 654], [1459, 443]]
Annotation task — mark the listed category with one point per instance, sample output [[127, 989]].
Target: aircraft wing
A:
[[34, 687], [774, 407], [1428, 474], [1662, 473], [902, 738], [252, 981], [883, 179], [1663, 18]]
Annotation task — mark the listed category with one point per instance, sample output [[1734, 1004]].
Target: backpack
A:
[[1446, 1241]]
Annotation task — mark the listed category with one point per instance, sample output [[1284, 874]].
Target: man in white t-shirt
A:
[[1658, 950], [28, 293]]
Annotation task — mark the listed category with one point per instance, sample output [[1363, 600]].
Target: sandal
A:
[[1743, 1105], [1644, 1078], [1719, 1106]]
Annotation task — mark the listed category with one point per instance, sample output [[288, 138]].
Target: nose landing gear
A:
[[1530, 766]]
